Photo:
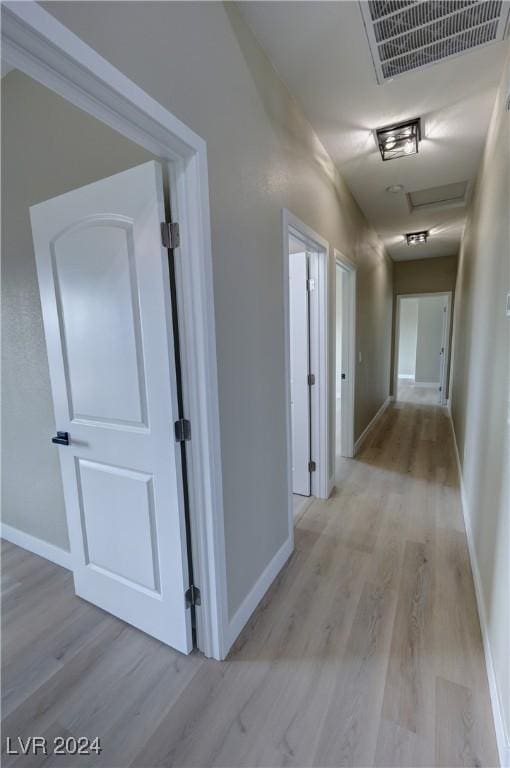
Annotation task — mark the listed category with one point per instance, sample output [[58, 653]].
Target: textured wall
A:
[[48, 147], [201, 61], [480, 390], [425, 275]]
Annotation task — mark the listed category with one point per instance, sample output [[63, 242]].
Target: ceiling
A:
[[320, 50]]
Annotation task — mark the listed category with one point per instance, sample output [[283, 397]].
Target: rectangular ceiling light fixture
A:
[[414, 238], [399, 140], [405, 35]]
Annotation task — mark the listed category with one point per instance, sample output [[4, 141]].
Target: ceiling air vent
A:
[[408, 35]]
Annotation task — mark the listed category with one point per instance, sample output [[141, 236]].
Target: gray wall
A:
[[480, 391], [203, 64], [408, 329], [48, 148], [428, 338], [425, 275]]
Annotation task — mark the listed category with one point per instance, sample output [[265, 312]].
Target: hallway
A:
[[365, 651]]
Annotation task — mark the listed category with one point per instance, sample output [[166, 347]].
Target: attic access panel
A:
[[404, 35]]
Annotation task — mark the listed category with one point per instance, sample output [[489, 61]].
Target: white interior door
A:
[[105, 293], [299, 369], [340, 357], [443, 354]]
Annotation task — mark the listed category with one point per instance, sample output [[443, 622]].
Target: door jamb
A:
[[35, 42], [349, 334], [320, 352], [396, 339]]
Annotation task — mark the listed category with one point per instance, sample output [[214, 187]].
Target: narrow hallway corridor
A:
[[365, 651]]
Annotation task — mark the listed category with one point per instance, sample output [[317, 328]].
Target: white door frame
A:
[[43, 48], [349, 338], [445, 367], [319, 346]]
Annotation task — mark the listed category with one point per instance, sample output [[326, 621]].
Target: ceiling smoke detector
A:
[[395, 188], [415, 238], [409, 34], [399, 140]]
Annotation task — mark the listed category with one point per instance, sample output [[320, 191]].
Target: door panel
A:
[[105, 294], [97, 291], [117, 510], [299, 369]]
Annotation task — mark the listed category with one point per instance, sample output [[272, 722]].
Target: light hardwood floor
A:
[[366, 651], [409, 392]]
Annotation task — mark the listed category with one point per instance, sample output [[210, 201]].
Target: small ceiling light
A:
[[399, 140], [414, 238], [395, 188]]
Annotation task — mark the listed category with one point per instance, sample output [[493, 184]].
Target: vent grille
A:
[[408, 35]]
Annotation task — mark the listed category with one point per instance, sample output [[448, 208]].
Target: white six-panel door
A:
[[299, 369], [105, 293]]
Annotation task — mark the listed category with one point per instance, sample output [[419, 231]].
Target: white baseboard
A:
[[406, 376], [257, 592], [502, 737], [38, 546], [361, 439]]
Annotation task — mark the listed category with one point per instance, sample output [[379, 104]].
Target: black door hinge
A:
[[170, 236], [192, 596], [312, 466], [311, 379], [182, 430]]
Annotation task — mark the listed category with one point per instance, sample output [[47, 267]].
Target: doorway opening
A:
[[305, 280], [422, 341], [37, 45], [345, 347]]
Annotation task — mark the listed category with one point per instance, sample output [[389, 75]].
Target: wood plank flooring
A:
[[409, 392], [365, 651]]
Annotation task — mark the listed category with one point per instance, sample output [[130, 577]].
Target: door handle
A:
[[343, 376], [62, 438]]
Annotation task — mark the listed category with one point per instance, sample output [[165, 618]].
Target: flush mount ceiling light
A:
[[413, 238], [399, 140]]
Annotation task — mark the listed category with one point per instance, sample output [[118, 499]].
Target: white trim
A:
[[286, 344], [361, 439], [405, 376], [347, 448], [446, 343], [502, 737], [38, 546], [320, 352], [36, 43], [259, 589]]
